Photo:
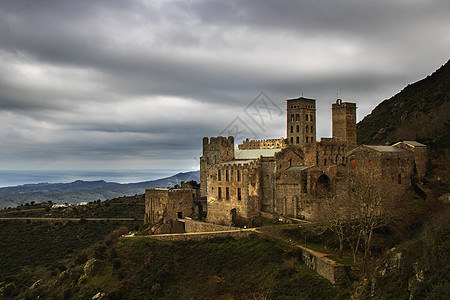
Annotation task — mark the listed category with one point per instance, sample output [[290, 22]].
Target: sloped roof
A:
[[386, 148], [413, 144], [255, 153], [237, 162], [301, 168]]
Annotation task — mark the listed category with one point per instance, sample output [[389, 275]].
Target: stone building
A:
[[290, 177], [163, 206]]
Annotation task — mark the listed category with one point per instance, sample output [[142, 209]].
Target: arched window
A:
[[298, 128], [298, 140]]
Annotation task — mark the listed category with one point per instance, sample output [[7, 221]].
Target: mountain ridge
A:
[[418, 112], [84, 191]]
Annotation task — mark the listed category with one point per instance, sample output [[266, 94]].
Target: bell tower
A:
[[344, 122], [301, 126]]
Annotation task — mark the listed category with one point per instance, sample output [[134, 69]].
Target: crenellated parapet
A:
[[263, 144]]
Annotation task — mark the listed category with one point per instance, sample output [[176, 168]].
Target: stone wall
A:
[[196, 226], [163, 204], [334, 272], [262, 144], [225, 208], [215, 150], [344, 122], [237, 234]]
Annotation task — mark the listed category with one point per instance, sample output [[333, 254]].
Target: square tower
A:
[[344, 122], [301, 126]]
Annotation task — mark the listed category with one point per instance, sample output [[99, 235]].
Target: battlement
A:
[[343, 105], [262, 144], [219, 141]]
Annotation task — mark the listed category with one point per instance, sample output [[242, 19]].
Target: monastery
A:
[[289, 176]]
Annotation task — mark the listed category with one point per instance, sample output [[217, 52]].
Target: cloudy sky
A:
[[136, 84]]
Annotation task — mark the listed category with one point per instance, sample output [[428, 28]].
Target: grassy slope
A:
[[223, 268], [27, 244], [418, 112]]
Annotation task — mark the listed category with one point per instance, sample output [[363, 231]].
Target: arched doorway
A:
[[323, 186]]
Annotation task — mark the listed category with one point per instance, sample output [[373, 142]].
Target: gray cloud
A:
[[136, 84]]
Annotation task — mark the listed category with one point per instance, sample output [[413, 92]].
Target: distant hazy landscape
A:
[[78, 186]]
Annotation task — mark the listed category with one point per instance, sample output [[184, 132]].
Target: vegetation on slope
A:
[[221, 268], [28, 243], [419, 112]]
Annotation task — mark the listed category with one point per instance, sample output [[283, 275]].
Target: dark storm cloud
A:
[[129, 83]]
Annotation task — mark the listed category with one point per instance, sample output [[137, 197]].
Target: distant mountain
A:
[[84, 191], [421, 111]]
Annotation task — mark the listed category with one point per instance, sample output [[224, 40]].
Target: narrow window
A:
[[298, 128], [292, 117], [324, 161], [399, 162], [238, 175], [306, 139], [239, 194], [219, 175], [312, 129], [298, 140], [219, 193], [227, 193], [227, 175], [297, 117], [290, 162], [353, 163], [292, 140], [292, 129], [387, 162], [399, 178], [306, 117], [306, 129], [311, 118]]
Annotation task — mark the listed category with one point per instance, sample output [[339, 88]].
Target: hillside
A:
[[84, 191], [419, 112], [62, 259]]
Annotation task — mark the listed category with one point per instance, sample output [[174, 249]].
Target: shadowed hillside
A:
[[419, 112]]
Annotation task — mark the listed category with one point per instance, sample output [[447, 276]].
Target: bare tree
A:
[[373, 206], [334, 214]]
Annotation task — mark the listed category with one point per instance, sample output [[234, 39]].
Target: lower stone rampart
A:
[[329, 269], [198, 236], [196, 226]]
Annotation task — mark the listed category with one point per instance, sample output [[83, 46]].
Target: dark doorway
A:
[[180, 215], [323, 186]]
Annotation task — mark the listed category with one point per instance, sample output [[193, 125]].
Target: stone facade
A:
[[163, 205], [293, 180]]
